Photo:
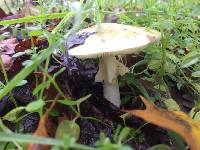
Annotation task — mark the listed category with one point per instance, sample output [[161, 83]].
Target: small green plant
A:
[[123, 135]]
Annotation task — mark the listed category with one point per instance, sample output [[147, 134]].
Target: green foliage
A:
[[66, 143], [129, 79], [33, 18], [159, 147], [177, 140], [171, 105], [13, 114], [123, 135], [34, 106], [68, 128], [106, 144]]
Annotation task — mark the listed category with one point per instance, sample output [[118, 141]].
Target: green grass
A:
[[175, 19]]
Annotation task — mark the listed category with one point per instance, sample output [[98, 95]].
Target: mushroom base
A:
[[109, 69], [111, 93]]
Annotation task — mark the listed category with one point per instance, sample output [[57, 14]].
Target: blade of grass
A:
[[8, 131], [5, 137], [35, 18], [6, 79]]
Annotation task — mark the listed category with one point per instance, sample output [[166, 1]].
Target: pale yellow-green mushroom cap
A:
[[114, 39]]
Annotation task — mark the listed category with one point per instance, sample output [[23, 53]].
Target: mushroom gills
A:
[[109, 69]]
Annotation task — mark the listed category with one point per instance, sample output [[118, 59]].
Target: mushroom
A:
[[111, 40]]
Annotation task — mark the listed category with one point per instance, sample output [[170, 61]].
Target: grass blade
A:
[[34, 18]]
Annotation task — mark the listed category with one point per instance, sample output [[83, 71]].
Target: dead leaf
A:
[[7, 48], [176, 121], [11, 46], [2, 13], [7, 61], [27, 44], [42, 129]]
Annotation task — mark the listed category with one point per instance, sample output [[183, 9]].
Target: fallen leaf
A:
[[42, 130], [7, 48], [27, 44], [7, 61], [11, 46], [2, 13], [176, 121]]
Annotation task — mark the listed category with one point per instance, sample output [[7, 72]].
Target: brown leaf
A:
[[7, 48], [42, 129], [176, 121], [2, 13], [27, 44], [7, 61], [11, 46]]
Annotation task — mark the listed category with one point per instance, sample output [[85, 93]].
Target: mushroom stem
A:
[[109, 69], [111, 93]]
